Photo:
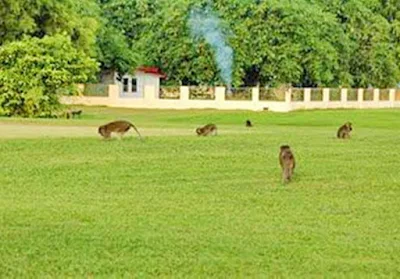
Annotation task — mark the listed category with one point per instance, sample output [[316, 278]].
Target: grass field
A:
[[177, 205]]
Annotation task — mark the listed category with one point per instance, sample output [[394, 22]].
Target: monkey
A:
[[344, 130], [207, 130], [248, 123], [287, 162], [71, 113], [119, 126]]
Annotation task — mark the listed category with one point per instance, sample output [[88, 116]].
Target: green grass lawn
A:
[[177, 205]]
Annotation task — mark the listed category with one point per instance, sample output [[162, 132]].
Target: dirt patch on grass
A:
[[11, 131]]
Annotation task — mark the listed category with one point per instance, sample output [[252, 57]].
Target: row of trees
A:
[[302, 42], [48, 45]]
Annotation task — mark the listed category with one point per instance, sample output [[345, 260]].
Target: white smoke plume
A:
[[204, 23]]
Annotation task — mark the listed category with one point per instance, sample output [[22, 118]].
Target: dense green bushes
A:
[[34, 72]]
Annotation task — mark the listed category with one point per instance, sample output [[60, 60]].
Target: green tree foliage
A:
[[130, 16], [45, 47], [38, 18], [298, 42], [373, 52], [301, 42], [35, 72], [166, 42], [123, 23], [281, 42], [114, 52]]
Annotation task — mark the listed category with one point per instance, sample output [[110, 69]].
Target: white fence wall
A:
[[151, 100]]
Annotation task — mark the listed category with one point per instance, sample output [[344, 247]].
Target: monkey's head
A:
[[199, 131], [349, 126], [284, 147], [102, 130]]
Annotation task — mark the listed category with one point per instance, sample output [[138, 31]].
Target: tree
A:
[[286, 42], [374, 51], [274, 42], [114, 53], [35, 72], [122, 23], [37, 18], [297, 42], [300, 42]]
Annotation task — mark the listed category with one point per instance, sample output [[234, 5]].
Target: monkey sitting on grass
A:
[[120, 127], [344, 130], [287, 162], [248, 123], [209, 129]]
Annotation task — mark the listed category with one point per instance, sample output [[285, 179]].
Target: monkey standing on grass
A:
[[344, 131], [248, 123], [72, 113], [207, 130], [119, 126], [287, 162]]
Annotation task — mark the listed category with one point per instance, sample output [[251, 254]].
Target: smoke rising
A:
[[204, 23]]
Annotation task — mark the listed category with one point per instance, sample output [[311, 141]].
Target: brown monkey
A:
[[72, 113], [207, 130], [119, 126], [248, 123], [344, 131], [287, 162]]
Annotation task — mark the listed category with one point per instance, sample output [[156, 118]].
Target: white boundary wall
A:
[[151, 100]]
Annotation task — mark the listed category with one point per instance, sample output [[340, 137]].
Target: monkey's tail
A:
[[133, 126]]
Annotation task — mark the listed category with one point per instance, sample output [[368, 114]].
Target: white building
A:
[[132, 86]]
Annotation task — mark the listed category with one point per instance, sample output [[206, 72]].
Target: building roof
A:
[[151, 70]]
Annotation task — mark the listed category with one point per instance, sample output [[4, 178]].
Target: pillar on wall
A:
[[255, 94], [113, 94], [360, 95], [220, 94], [392, 97], [81, 89], [288, 96], [376, 95], [325, 95], [255, 98], [184, 93], [307, 95], [343, 95]]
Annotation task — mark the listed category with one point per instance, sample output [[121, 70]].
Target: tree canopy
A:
[[304, 43]]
